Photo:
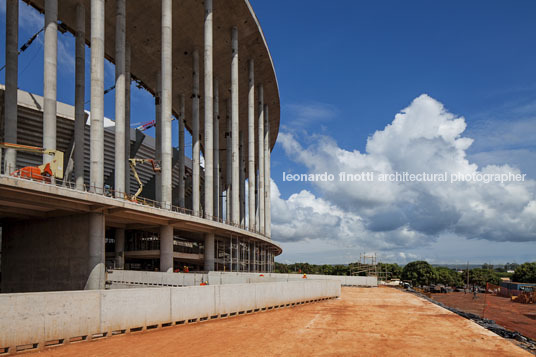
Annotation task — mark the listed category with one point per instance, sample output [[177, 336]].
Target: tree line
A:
[[421, 273]]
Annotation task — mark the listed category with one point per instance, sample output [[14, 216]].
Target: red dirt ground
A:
[[511, 315], [364, 322]]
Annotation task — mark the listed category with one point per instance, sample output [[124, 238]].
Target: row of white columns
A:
[[259, 200]]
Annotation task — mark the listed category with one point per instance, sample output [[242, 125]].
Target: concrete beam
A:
[[120, 38], [50, 77], [97, 96], [79, 96], [11, 78]]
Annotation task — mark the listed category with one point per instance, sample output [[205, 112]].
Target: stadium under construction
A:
[[80, 193]]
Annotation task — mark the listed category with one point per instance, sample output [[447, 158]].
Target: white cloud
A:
[[397, 216], [66, 53], [304, 114]]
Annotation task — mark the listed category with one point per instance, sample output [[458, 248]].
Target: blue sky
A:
[[363, 61], [345, 69]]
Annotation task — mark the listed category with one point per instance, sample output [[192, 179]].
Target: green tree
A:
[[394, 271], [448, 277], [525, 273], [419, 273], [480, 277], [281, 268], [487, 266], [511, 266]]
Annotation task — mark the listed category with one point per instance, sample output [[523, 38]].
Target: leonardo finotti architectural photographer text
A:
[[369, 176]]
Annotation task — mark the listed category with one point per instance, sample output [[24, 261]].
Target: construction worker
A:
[[203, 283], [186, 269], [304, 276]]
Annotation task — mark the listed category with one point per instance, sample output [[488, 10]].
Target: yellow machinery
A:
[[132, 163], [42, 172]]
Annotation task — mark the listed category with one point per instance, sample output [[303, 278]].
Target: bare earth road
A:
[[364, 322]]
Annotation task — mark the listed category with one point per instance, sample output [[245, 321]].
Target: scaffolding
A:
[[368, 266]]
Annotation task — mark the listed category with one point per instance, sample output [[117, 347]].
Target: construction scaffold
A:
[[368, 266]]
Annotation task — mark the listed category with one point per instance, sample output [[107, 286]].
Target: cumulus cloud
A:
[[424, 137]]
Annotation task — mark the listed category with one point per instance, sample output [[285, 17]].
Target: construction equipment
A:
[[146, 126], [43, 172], [526, 297], [133, 163]]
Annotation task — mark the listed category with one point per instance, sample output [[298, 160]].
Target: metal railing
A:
[[108, 191]]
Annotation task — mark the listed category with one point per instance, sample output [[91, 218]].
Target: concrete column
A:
[[195, 137], [231, 254], [256, 198], [209, 118], [120, 23], [235, 215], [209, 251], [267, 215], [11, 77], [165, 128], [158, 134], [229, 164], [127, 117], [97, 96], [260, 160], [222, 182], [96, 268], [251, 146], [119, 248], [242, 179], [237, 265], [217, 187], [182, 174], [254, 257], [79, 96], [166, 248], [50, 77]]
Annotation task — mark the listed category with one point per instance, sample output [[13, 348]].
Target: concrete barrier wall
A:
[[129, 278], [133, 278], [35, 320]]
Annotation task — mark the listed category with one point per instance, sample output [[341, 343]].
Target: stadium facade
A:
[[208, 66]]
